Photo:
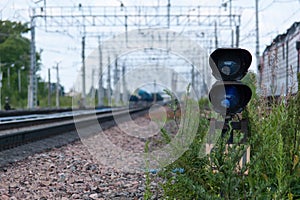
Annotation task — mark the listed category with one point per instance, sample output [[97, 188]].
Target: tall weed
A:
[[272, 173]]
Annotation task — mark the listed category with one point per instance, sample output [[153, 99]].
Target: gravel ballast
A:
[[71, 172]]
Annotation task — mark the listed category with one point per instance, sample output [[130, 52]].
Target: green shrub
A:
[[272, 173]]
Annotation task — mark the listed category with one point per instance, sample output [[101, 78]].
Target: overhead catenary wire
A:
[[185, 22]]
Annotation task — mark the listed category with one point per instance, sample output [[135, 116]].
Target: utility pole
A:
[[169, 11], [32, 89], [20, 78], [49, 88], [124, 96], [116, 84], [57, 85], [93, 89], [100, 86], [202, 78], [83, 73], [126, 29], [130, 18], [108, 84], [155, 97], [237, 33], [257, 43], [216, 35], [8, 76], [174, 81], [230, 22]]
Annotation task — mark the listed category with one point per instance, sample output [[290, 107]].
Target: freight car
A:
[[279, 64]]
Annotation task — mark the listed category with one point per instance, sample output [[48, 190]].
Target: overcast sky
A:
[[275, 17]]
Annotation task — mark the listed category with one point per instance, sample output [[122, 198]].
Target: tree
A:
[[14, 60]]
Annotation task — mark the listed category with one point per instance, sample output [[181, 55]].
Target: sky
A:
[[64, 49]]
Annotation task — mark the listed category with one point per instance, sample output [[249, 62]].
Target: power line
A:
[[292, 15], [276, 1], [182, 18], [266, 7], [4, 6], [248, 22], [285, 1]]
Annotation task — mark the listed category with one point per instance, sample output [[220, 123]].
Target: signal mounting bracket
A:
[[241, 125]]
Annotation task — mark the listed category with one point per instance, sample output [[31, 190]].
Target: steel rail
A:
[[10, 139], [31, 120]]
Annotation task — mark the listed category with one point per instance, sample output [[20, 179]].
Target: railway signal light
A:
[[229, 65]]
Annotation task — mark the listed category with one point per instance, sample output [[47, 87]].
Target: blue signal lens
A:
[[231, 98], [225, 103]]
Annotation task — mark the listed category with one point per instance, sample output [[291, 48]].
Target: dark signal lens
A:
[[229, 67], [230, 64]]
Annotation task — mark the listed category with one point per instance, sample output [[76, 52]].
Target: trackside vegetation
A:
[[15, 67], [273, 171]]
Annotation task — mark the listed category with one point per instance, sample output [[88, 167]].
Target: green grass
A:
[[273, 170]]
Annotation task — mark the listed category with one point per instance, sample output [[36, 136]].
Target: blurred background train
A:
[[143, 97], [279, 65]]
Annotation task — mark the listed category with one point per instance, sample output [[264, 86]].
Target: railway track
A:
[[17, 132], [19, 121]]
